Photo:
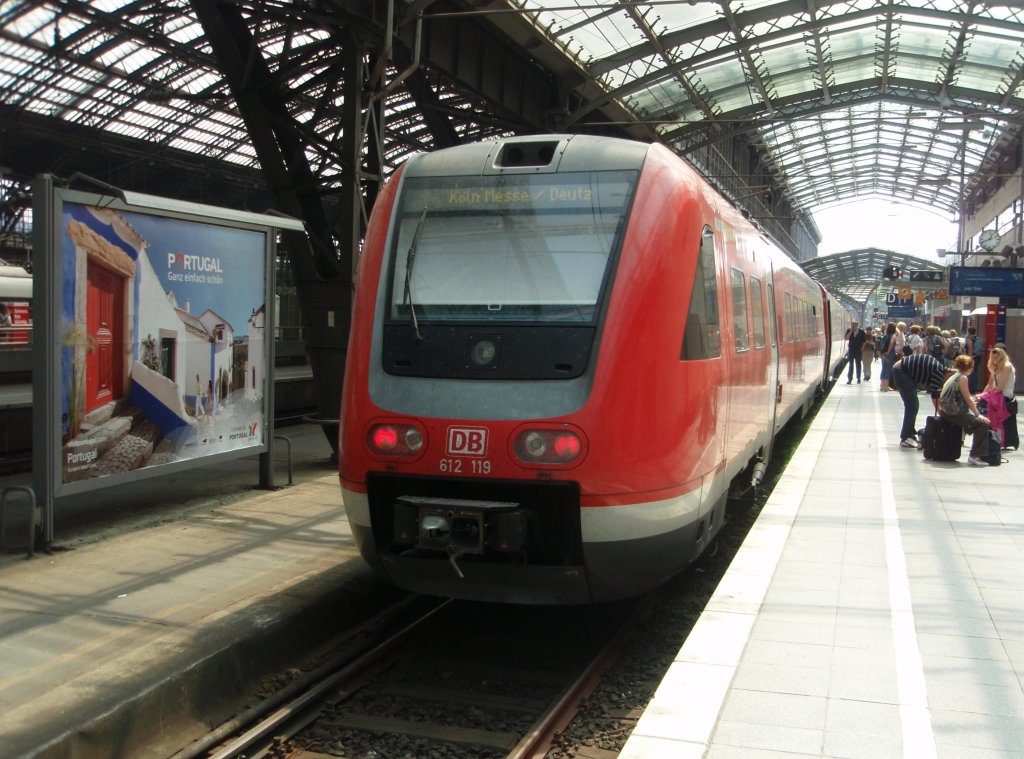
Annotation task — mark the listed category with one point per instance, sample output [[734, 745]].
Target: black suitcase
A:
[[941, 440], [1010, 426]]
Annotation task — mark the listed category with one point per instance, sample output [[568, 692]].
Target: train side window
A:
[[739, 310], [757, 311], [702, 337], [789, 318], [773, 325]]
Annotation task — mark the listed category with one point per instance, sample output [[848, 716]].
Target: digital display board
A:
[[987, 281]]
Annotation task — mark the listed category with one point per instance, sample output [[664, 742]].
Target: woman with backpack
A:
[[954, 347], [957, 407], [934, 345]]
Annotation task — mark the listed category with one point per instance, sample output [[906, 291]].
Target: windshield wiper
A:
[[410, 260]]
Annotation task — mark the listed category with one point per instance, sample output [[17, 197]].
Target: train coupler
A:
[[459, 527]]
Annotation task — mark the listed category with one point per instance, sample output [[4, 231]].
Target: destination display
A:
[[987, 281]]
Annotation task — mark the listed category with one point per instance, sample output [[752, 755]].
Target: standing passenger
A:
[[976, 350], [889, 355], [1002, 376], [914, 340], [909, 373], [955, 347], [855, 338], [934, 343], [867, 354]]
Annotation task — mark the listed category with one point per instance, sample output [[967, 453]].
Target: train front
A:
[[475, 334]]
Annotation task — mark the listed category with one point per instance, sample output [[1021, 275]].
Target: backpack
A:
[[977, 348], [994, 456], [951, 400], [956, 348], [935, 346]]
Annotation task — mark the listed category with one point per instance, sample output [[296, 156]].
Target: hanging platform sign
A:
[[986, 281], [902, 312]]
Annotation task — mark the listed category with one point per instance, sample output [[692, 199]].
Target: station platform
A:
[[159, 594], [874, 610]]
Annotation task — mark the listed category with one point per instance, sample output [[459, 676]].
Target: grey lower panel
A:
[[627, 568], [497, 583]]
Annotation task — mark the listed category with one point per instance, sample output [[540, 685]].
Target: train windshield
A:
[[507, 248]]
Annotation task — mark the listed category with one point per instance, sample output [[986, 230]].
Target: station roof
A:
[[847, 99], [854, 275]]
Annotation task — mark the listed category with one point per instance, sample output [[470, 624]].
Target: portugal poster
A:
[[162, 340]]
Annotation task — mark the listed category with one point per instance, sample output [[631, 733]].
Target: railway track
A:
[[455, 679], [441, 679]]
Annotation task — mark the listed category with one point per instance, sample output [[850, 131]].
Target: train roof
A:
[[15, 283], [536, 154]]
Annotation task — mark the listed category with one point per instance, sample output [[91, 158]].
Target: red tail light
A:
[[557, 445], [404, 440]]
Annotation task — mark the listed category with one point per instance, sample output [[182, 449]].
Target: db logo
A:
[[467, 441]]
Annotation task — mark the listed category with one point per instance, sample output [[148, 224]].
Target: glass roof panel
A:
[[724, 73], [791, 83], [753, 64], [778, 58]]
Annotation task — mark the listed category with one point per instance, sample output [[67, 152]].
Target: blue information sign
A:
[[902, 311], [985, 280]]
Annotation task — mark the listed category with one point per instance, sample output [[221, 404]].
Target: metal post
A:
[[46, 351]]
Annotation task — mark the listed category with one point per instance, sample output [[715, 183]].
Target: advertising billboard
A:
[[158, 353]]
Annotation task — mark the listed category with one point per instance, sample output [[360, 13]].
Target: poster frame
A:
[[49, 198]]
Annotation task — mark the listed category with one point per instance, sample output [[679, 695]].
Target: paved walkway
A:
[[133, 633], [874, 610]]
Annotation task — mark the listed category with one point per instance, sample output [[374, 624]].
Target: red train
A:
[[563, 350]]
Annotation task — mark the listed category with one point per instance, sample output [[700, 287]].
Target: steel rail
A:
[[536, 743], [310, 687]]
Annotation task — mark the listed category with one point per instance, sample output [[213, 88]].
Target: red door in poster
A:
[[105, 307]]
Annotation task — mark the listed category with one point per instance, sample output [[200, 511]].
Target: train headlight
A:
[[535, 444], [395, 439], [413, 439], [558, 445], [483, 352]]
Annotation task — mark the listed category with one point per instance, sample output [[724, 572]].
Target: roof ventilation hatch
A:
[[524, 154]]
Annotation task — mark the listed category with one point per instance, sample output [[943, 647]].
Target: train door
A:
[[774, 390], [104, 314]]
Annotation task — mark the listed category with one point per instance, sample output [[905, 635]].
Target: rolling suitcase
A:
[[941, 440]]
